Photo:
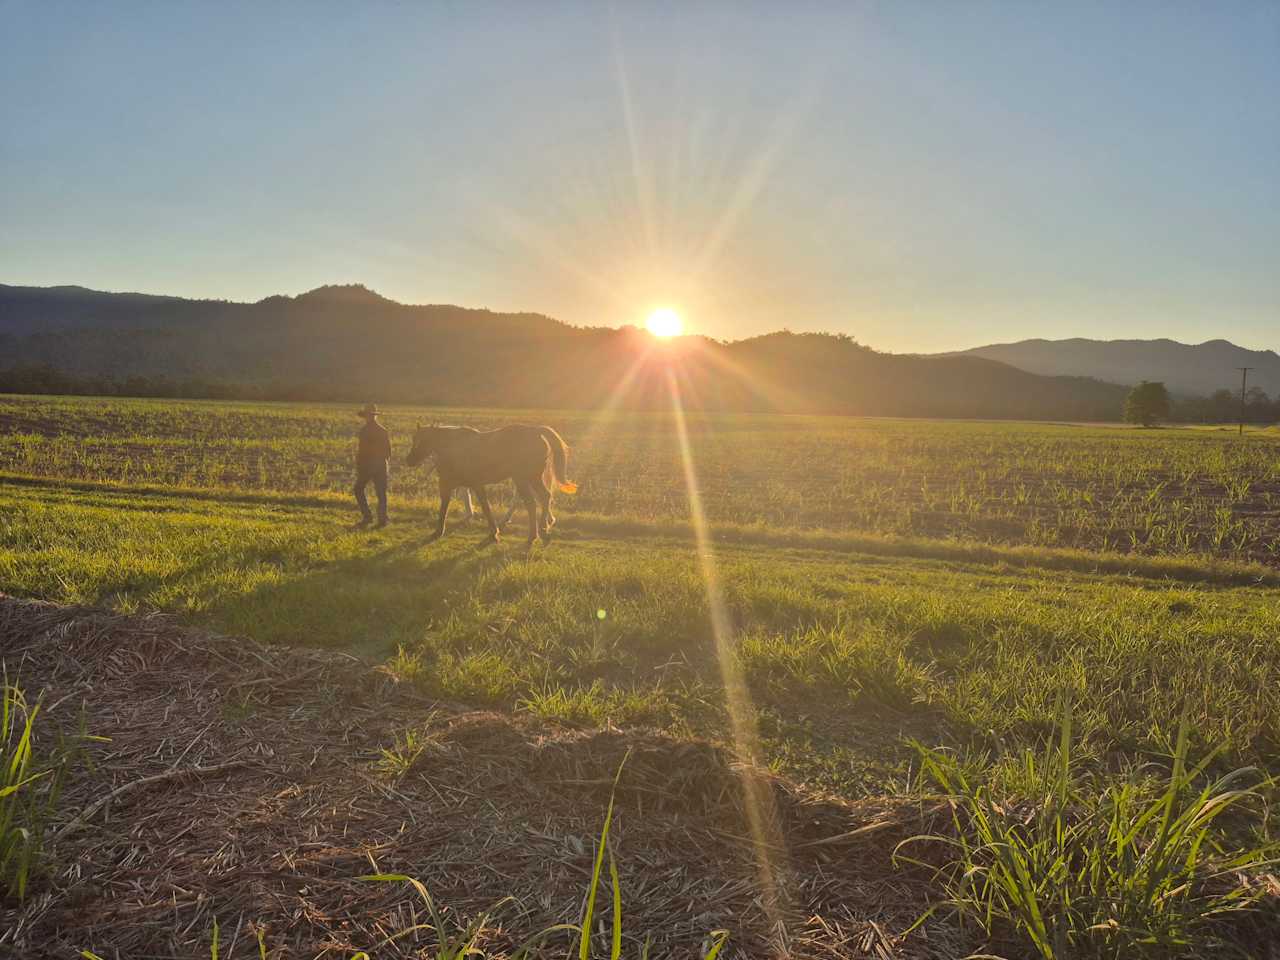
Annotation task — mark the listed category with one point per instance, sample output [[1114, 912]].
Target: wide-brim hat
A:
[[370, 410]]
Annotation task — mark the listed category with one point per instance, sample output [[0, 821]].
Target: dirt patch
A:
[[11, 423], [249, 783]]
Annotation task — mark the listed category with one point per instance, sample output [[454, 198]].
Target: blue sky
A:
[[922, 175]]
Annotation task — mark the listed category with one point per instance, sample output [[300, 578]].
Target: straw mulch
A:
[[242, 782]]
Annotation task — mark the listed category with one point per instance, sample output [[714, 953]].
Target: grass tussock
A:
[[1147, 865], [22, 810], [31, 782]]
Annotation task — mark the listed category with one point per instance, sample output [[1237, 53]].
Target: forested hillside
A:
[[348, 343]]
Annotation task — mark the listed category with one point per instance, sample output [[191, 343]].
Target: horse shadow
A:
[[369, 604]]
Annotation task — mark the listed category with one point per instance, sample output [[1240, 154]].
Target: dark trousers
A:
[[377, 474]]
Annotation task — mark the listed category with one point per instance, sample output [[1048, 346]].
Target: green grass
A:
[[1158, 492], [20, 809], [31, 778], [844, 643], [1113, 867]]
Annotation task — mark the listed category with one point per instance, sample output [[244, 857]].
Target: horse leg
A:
[[468, 512], [543, 496], [488, 513], [515, 502], [446, 494], [525, 490]]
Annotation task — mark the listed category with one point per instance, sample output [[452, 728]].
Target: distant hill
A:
[[1195, 369], [349, 343], [28, 310]]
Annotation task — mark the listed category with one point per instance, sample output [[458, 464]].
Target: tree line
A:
[[44, 379], [1150, 402], [1147, 403]]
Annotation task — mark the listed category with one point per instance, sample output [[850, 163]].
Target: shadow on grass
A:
[[171, 492], [368, 604], [1188, 568], [156, 499], [273, 577]]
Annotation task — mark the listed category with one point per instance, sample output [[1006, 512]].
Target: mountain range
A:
[[348, 343], [1188, 369]]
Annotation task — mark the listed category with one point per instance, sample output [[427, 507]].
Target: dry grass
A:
[[249, 784]]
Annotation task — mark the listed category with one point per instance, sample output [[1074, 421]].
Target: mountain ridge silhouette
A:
[[1193, 369], [347, 342]]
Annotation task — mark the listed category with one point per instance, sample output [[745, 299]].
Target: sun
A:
[[664, 323]]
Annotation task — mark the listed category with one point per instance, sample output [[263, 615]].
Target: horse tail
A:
[[559, 459]]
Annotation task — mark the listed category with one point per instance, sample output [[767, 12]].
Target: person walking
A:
[[371, 465]]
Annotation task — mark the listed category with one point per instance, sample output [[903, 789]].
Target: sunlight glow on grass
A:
[[757, 799], [664, 323]]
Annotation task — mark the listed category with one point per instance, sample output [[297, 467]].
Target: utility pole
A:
[[1244, 378]]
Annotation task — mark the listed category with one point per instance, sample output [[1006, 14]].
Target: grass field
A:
[[1173, 491], [953, 583], [848, 618]]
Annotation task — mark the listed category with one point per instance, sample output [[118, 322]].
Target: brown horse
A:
[[466, 457]]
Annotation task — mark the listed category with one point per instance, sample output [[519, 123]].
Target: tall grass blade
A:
[[588, 910]]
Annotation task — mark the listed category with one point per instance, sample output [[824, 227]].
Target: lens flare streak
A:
[[757, 797]]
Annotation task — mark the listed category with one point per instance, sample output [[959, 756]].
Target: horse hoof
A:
[[545, 536]]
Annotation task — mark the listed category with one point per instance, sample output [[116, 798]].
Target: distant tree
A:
[[1222, 397], [1258, 406], [1147, 403], [1222, 405]]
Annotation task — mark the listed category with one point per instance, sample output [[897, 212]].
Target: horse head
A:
[[423, 445]]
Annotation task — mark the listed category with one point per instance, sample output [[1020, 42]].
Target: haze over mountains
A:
[[349, 343], [1190, 369]]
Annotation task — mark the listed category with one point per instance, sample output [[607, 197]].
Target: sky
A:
[[925, 176]]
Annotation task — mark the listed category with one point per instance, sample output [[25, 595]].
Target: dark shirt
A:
[[375, 446]]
